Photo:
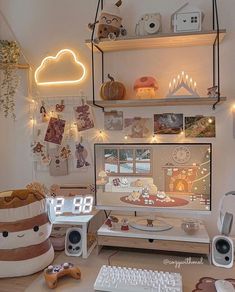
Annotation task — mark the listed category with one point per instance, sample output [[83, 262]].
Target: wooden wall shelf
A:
[[158, 102], [164, 40], [18, 66]]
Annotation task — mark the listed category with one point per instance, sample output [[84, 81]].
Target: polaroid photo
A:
[[84, 117], [113, 121], [200, 127], [55, 131], [138, 127], [165, 124]]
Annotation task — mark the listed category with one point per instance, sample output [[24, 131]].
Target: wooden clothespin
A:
[[42, 108], [83, 98]]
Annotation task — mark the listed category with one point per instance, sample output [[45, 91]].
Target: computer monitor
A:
[[153, 177]]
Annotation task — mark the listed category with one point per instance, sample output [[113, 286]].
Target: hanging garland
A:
[[9, 56]]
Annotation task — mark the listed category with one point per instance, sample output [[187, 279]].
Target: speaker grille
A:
[[75, 237], [222, 246]]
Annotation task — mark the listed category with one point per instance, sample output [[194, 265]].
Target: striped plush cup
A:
[[25, 229]]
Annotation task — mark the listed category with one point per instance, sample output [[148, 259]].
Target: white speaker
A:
[[73, 242], [222, 251]]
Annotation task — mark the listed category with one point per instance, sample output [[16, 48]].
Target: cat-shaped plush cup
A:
[[25, 229], [110, 20]]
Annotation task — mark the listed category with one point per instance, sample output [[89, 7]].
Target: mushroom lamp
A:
[[146, 87], [102, 175]]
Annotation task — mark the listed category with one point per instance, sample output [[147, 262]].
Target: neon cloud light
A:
[[56, 59]]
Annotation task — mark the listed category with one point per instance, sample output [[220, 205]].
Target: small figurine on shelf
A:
[[213, 91], [110, 23], [110, 221], [125, 225]]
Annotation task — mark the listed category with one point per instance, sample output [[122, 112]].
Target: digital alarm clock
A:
[[76, 205]]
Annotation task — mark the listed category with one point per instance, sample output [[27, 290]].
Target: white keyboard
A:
[[120, 279]]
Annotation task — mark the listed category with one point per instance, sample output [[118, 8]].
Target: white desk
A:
[[90, 267], [83, 221]]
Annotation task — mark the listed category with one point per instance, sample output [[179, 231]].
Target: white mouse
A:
[[224, 286]]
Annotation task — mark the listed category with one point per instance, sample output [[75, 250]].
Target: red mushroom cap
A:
[[146, 81]]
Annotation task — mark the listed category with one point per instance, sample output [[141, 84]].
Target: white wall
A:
[[48, 25]]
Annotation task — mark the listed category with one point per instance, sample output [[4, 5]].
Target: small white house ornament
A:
[[183, 83], [187, 19]]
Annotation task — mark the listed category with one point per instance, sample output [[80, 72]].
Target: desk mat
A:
[[207, 284]]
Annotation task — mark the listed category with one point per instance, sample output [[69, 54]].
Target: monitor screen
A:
[[149, 177]]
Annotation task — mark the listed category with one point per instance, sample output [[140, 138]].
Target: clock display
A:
[[77, 205], [181, 154]]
